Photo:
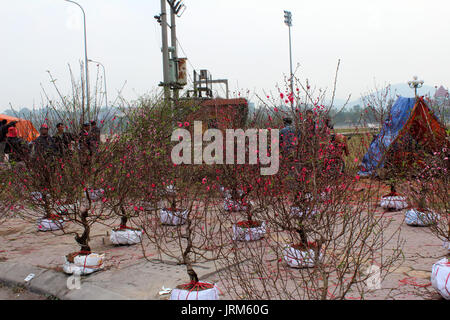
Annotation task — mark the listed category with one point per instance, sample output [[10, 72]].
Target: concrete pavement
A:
[[129, 275]]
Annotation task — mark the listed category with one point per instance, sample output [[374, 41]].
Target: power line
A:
[[189, 61]]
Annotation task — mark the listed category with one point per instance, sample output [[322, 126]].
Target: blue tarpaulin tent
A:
[[408, 115]]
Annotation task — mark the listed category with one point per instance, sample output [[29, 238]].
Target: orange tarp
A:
[[425, 128], [25, 128]]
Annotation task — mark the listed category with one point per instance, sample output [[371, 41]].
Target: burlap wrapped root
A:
[[173, 218], [84, 264], [296, 258], [126, 236], [200, 291], [393, 202], [440, 277], [249, 234], [420, 218], [44, 224]]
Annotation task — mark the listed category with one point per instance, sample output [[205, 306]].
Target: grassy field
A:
[[358, 143]]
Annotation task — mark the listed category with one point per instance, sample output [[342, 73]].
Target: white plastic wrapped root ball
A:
[[36, 196], [241, 233], [173, 218], [84, 265], [296, 211], [233, 206], [324, 196], [171, 189], [65, 209], [126, 236], [446, 245], [440, 277], [50, 224], [393, 202], [96, 195], [297, 258], [228, 194], [207, 291], [414, 217]]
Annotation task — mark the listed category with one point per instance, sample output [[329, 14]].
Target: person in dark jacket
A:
[[287, 137], [4, 126], [2, 142], [63, 140], [84, 142], [16, 147], [44, 145], [85, 145]]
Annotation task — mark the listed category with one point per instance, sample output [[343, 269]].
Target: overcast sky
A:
[[245, 41]]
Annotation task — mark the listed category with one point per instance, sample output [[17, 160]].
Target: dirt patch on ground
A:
[[10, 231]]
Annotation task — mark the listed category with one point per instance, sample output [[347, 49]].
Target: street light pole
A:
[[288, 22], [85, 59], [104, 77]]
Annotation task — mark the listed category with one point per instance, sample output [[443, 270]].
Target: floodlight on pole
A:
[[288, 22], [288, 18]]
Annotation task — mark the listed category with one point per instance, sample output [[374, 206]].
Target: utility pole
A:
[[288, 22], [165, 51], [173, 31], [173, 67]]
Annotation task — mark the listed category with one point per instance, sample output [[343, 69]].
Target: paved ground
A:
[[18, 293], [129, 275]]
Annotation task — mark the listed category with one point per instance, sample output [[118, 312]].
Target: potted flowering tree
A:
[[329, 248], [121, 194], [430, 187], [181, 227], [68, 179]]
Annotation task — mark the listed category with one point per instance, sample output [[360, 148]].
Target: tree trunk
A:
[[46, 206], [393, 188], [186, 258], [249, 213], [83, 241], [190, 271], [303, 236], [174, 205], [123, 218]]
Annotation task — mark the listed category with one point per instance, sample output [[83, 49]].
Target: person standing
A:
[[84, 141], [84, 145], [44, 145], [4, 126], [2, 143], [336, 146], [15, 147], [63, 140], [287, 135]]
